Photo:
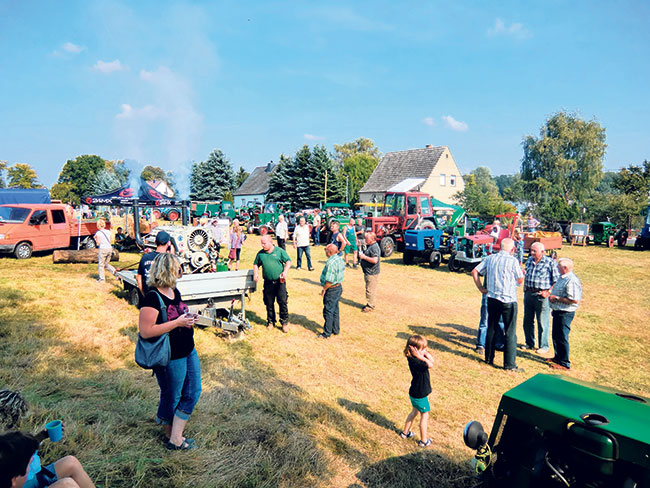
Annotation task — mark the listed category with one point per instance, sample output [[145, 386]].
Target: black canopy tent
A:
[[147, 195]]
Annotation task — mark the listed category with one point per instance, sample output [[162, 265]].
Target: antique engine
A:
[[194, 245]]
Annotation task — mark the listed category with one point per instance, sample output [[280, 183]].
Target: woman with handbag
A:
[[163, 312], [237, 238]]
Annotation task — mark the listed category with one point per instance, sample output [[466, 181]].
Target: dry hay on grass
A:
[[284, 409]]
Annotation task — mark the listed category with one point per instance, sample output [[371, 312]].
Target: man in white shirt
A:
[[282, 232], [301, 242], [496, 230]]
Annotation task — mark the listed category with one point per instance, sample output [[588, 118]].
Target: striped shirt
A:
[[568, 286], [542, 275], [502, 271], [333, 270]]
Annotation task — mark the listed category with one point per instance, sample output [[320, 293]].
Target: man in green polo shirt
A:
[[275, 263], [331, 279]]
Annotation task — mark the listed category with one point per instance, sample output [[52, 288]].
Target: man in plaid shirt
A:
[[331, 279], [503, 275], [541, 275]]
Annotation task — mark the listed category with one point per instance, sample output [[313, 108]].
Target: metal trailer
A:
[[211, 295]]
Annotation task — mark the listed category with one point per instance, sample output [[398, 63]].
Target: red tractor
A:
[[402, 211]]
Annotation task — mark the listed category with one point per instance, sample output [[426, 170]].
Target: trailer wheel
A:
[[23, 250], [435, 258], [610, 241], [134, 297], [387, 246], [89, 243], [454, 265], [173, 215], [250, 229], [408, 257]]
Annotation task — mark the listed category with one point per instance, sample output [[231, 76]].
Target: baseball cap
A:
[[162, 238]]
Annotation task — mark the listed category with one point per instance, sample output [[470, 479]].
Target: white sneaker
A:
[[542, 350]]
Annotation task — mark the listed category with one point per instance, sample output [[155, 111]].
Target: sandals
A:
[[185, 446], [406, 436], [426, 443]]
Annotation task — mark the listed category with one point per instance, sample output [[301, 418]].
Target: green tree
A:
[[481, 194], [151, 173], [212, 178], [22, 176], [79, 173], [321, 164], [3, 168], [241, 176], [358, 169], [566, 159], [634, 181], [354, 148], [64, 192], [105, 181], [281, 181], [118, 168]]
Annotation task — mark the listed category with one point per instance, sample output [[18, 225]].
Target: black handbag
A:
[[155, 352]]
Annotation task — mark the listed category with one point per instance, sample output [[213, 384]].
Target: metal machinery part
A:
[[192, 245]]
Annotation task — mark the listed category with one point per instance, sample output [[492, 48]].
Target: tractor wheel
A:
[[156, 214], [407, 257], [622, 239], [89, 243], [23, 250], [587, 241], [134, 297], [435, 258], [250, 229], [173, 215], [454, 265], [610, 241], [426, 224], [387, 246], [264, 230]]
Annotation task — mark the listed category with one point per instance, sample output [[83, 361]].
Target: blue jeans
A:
[[316, 236], [180, 388], [304, 249], [561, 328], [499, 337], [536, 307], [331, 310]]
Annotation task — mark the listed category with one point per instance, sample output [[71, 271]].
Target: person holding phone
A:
[[180, 380]]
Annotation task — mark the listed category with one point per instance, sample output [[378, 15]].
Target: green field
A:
[[288, 410]]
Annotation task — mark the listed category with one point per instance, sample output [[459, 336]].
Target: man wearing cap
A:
[[163, 244], [331, 279], [275, 263]]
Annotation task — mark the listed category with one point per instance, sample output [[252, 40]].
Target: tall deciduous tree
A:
[[354, 148], [79, 174], [481, 194], [242, 175], [3, 168], [358, 169], [566, 159], [212, 178], [635, 181], [64, 192], [22, 175]]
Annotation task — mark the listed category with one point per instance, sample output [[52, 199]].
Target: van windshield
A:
[[13, 215]]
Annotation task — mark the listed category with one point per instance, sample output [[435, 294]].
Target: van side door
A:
[[59, 228]]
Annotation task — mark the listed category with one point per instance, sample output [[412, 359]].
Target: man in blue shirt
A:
[[541, 275], [503, 274]]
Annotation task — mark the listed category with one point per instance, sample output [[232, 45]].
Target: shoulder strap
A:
[[163, 308]]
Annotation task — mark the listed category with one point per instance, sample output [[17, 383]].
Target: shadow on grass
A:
[[423, 469], [363, 410], [449, 337], [343, 300], [303, 321]]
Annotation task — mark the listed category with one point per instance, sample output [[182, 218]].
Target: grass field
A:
[[288, 410]]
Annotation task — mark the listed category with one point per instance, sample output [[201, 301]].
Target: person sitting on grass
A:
[[420, 361], [20, 465]]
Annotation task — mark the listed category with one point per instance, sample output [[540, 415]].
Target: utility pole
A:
[[346, 189], [325, 186]]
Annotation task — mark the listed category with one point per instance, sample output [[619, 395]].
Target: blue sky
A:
[[166, 82]]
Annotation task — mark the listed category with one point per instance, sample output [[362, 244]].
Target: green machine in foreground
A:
[[554, 431]]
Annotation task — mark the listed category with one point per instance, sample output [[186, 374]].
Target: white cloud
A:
[[312, 137], [428, 121], [72, 48], [108, 67], [148, 112], [454, 124], [515, 30]]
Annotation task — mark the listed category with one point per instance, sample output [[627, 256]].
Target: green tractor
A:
[[606, 233], [263, 223], [555, 431], [214, 209]]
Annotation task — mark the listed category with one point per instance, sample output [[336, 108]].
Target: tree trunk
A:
[[83, 256]]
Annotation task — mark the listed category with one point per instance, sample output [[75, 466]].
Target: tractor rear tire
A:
[[250, 229], [622, 239], [387, 246], [407, 257], [156, 214], [426, 224], [173, 215], [454, 265], [23, 250], [263, 231], [435, 258], [89, 243]]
